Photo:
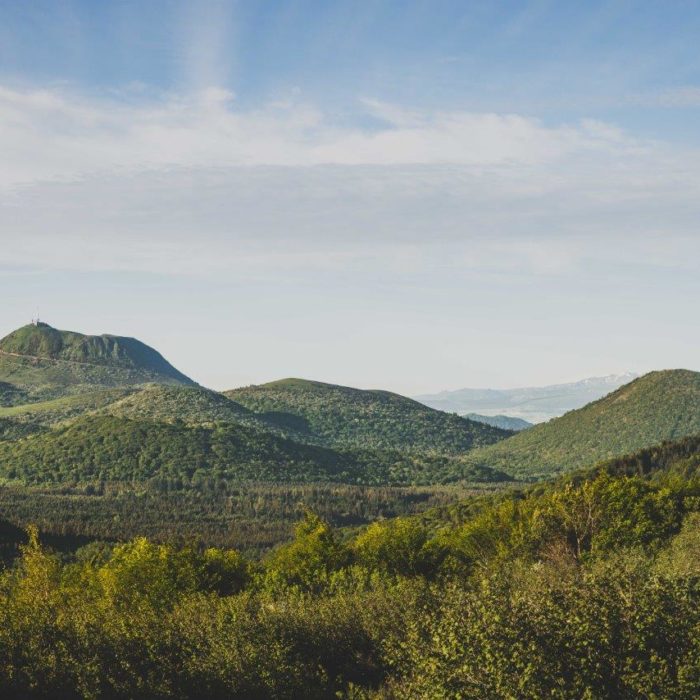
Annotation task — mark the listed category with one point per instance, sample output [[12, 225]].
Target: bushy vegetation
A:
[[658, 406], [588, 588], [192, 405], [13, 429], [341, 417], [39, 416]]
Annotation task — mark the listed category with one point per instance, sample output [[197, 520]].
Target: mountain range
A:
[[76, 408], [532, 404]]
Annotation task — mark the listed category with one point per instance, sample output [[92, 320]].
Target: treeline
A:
[[679, 457], [586, 588], [251, 517]]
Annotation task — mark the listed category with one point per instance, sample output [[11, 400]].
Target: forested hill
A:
[[109, 448], [38, 361], [339, 416], [659, 406]]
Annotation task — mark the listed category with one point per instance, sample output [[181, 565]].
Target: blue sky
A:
[[414, 196]]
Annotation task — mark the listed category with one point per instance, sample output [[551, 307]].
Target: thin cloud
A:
[[49, 134], [191, 185]]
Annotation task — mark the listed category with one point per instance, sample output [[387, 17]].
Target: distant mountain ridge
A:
[[533, 404], [500, 421]]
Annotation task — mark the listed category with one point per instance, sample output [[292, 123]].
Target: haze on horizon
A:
[[412, 196]]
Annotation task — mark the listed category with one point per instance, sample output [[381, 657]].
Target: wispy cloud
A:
[[47, 134], [190, 183]]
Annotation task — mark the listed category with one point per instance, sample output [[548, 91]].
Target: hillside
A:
[[656, 407], [108, 448], [339, 416], [676, 458], [195, 405], [50, 413], [192, 405], [38, 362]]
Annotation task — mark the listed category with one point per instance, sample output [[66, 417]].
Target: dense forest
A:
[[248, 517], [587, 587]]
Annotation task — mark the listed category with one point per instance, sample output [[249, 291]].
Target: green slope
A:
[[339, 416], [196, 405], [192, 405], [40, 362], [658, 406], [119, 449], [56, 410]]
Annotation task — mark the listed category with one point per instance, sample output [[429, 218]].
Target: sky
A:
[[414, 196]]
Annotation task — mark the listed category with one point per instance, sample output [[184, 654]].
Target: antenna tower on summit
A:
[[36, 320]]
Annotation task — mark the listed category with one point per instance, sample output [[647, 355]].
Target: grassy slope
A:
[[42, 363], [56, 410], [340, 416], [192, 405], [197, 406], [45, 342], [658, 406]]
